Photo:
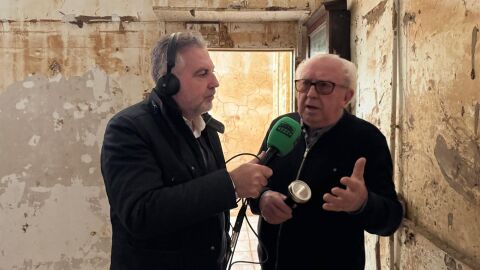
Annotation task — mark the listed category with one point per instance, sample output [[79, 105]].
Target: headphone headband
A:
[[171, 52]]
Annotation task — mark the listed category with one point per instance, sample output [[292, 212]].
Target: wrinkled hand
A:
[[353, 197], [249, 179], [273, 208]]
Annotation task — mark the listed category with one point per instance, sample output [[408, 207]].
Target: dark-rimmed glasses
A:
[[322, 87]]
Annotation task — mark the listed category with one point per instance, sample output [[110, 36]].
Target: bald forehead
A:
[[319, 65]]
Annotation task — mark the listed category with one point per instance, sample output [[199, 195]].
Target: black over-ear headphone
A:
[[169, 84]]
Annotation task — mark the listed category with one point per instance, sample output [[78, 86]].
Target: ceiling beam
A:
[[177, 14]]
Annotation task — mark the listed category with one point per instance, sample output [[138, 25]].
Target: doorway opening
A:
[[255, 87]]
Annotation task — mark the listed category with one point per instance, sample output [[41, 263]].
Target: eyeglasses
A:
[[322, 87]]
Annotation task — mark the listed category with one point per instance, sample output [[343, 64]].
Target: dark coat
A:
[[168, 211], [319, 239]]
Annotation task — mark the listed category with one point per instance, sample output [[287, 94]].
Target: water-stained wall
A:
[[439, 130], [415, 60], [372, 44], [68, 66], [66, 83]]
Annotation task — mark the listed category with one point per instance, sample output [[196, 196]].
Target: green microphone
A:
[[281, 139]]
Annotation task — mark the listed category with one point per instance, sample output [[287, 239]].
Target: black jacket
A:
[[168, 210], [319, 239]]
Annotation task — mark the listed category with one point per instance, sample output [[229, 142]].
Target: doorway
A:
[[255, 87]]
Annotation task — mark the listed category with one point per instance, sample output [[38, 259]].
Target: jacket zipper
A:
[[303, 161]]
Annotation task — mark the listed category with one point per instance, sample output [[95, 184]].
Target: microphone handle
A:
[[271, 152], [290, 202]]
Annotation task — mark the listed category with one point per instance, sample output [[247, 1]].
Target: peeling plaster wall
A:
[[414, 60], [60, 85], [423, 254], [62, 79], [68, 66], [267, 35], [441, 143], [239, 4], [25, 10], [372, 44], [373, 26]]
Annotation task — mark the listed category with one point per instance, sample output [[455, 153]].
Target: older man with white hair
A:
[[346, 163]]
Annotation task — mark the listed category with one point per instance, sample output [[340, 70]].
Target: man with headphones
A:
[[164, 171]]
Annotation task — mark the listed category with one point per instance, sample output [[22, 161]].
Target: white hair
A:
[[349, 68]]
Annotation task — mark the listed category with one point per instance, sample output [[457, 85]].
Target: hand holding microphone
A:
[[249, 179], [276, 207]]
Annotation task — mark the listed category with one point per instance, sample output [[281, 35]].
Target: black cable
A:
[[236, 232], [238, 223], [230, 159], [262, 245], [230, 261], [277, 245], [238, 200], [242, 154]]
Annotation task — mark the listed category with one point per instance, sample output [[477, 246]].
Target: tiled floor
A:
[[246, 249]]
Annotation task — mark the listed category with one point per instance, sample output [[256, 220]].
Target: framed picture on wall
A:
[[317, 40], [328, 29]]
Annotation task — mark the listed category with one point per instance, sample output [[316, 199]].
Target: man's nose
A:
[[215, 82], [312, 91]]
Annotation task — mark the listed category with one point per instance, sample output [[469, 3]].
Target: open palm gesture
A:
[[353, 197]]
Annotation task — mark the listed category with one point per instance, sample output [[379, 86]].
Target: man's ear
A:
[[348, 96]]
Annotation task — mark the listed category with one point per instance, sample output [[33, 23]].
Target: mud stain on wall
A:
[[409, 17], [107, 55], [373, 16], [460, 173]]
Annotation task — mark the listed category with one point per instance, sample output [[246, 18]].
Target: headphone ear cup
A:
[[168, 85], [173, 85]]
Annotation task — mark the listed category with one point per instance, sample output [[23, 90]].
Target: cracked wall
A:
[[49, 187], [435, 132], [60, 85], [69, 65], [372, 45], [440, 149]]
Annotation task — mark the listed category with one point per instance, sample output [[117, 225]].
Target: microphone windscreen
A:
[[283, 135]]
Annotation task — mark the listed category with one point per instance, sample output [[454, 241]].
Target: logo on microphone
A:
[[285, 129]]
